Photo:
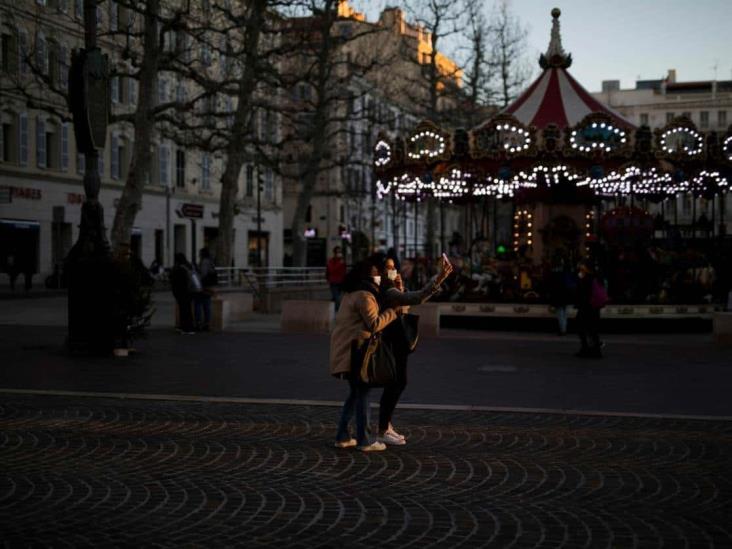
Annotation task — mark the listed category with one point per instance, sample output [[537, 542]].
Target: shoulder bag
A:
[[374, 362]]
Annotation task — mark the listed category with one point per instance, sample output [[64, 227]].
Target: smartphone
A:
[[445, 259]]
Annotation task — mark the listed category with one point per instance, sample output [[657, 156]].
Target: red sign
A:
[[25, 192], [74, 198], [192, 210]]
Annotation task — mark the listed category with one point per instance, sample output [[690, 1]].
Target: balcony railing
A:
[[259, 279]]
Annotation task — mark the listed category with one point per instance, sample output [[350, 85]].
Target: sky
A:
[[625, 40]]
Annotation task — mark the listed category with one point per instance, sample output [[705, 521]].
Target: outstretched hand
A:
[[445, 270]]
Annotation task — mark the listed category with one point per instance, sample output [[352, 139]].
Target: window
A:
[[704, 119], [41, 153], [180, 168], [205, 172], [163, 162], [53, 63], [65, 147], [669, 117], [10, 53], [162, 90], [644, 119], [63, 67], [205, 55], [23, 139], [63, 6], [114, 84], [23, 51], [113, 16], [180, 91], [79, 9], [249, 181], [114, 153], [6, 141], [41, 53], [268, 185], [229, 107], [132, 91], [722, 119]]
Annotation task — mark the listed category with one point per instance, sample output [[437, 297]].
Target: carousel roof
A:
[[556, 97]]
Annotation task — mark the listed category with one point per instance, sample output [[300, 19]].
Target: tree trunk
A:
[[130, 201], [235, 151]]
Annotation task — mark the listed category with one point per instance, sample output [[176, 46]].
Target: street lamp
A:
[[89, 265]]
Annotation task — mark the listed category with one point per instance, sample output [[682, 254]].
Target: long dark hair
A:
[[358, 276]]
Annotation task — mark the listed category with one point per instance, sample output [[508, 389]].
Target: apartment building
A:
[[345, 209], [655, 103], [41, 172]]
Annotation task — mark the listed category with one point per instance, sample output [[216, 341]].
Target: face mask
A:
[[377, 280], [581, 274], [391, 274]]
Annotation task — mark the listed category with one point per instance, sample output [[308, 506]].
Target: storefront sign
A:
[[25, 192], [194, 211], [74, 198]]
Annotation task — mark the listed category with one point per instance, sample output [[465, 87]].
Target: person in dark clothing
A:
[[562, 284], [180, 283], [588, 314], [393, 296], [202, 299], [335, 274]]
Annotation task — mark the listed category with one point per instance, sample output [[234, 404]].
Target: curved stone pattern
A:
[[110, 472]]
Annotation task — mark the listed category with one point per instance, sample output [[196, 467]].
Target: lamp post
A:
[[88, 265]]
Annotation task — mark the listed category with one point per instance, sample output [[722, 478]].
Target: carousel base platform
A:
[[541, 317]]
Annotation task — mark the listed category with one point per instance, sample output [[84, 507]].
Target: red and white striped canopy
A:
[[557, 98]]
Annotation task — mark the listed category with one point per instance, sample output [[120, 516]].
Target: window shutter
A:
[[113, 22], [163, 155], [41, 54], [65, 146], [23, 51], [40, 142], [132, 90], [114, 167], [114, 83], [63, 67]]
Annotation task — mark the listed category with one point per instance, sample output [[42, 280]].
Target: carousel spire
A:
[[555, 55]]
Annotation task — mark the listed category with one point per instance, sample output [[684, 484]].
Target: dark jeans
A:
[[335, 293], [202, 302], [184, 312], [358, 402], [391, 394], [588, 325]]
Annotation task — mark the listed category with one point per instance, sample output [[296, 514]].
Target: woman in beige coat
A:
[[358, 317]]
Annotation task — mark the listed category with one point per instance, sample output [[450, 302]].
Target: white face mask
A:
[[377, 280], [391, 274]]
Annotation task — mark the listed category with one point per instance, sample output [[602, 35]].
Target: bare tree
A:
[[507, 57]]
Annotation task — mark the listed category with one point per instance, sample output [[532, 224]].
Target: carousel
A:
[[583, 180]]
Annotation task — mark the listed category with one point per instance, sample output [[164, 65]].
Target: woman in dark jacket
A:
[[180, 283], [393, 296]]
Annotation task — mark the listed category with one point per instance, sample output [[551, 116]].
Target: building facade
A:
[[41, 172], [655, 103]]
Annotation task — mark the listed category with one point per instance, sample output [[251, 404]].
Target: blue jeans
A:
[[562, 318], [358, 401], [202, 309]]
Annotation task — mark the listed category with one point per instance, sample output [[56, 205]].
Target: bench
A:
[[723, 327], [309, 317]]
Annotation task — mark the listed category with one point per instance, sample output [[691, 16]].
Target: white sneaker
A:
[[373, 447], [393, 431], [350, 443], [392, 439]]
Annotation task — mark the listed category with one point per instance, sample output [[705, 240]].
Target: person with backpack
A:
[[202, 299], [591, 298]]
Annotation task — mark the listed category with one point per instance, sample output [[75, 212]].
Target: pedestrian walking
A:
[[591, 298], [335, 274], [358, 318], [562, 286], [12, 269], [396, 334], [184, 283], [202, 299]]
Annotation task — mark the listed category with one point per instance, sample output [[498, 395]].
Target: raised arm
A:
[[369, 310], [397, 298]]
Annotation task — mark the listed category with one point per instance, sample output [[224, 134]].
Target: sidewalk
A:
[[104, 472]]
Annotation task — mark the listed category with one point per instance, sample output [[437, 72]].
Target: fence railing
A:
[[258, 279]]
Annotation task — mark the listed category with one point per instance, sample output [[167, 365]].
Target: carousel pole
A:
[[416, 227], [442, 225]]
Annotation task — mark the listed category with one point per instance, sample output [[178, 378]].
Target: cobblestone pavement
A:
[[112, 472]]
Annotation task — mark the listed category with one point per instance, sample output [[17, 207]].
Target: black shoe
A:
[[582, 353]]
